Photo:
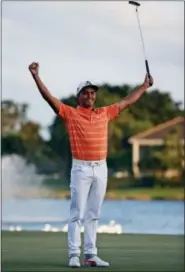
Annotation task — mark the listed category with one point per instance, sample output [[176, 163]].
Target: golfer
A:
[[88, 131]]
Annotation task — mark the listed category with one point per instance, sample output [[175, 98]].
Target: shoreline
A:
[[145, 194], [142, 194]]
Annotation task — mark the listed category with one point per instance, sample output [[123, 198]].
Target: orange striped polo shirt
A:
[[88, 130]]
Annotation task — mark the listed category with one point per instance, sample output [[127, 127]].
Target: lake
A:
[[117, 216]]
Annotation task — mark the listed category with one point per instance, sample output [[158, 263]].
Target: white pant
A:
[[88, 186]]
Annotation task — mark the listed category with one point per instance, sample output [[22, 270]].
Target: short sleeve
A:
[[112, 111], [64, 111]]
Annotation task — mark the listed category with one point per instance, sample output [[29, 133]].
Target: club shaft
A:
[[142, 40]]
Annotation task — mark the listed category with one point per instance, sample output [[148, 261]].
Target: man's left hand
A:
[[148, 82]]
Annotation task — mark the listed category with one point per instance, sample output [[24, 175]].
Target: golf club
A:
[[136, 4]]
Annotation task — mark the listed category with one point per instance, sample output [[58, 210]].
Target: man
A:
[[87, 128]]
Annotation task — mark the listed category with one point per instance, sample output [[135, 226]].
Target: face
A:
[[87, 97]]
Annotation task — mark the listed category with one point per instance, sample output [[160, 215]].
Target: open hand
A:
[[34, 68]]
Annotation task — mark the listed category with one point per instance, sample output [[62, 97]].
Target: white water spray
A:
[[19, 179]]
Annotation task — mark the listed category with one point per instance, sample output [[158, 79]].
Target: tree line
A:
[[22, 136]]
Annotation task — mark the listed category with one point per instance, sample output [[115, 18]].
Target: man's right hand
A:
[[34, 68], [51, 100]]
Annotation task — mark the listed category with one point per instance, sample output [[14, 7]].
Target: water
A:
[[117, 216], [154, 217]]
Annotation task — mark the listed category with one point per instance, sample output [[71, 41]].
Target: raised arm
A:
[[134, 96], [51, 100]]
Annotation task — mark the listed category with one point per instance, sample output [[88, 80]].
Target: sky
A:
[[89, 40]]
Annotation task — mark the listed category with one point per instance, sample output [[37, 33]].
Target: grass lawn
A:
[[135, 193], [40, 251], [150, 193]]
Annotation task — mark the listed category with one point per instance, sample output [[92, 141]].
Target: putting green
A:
[[40, 251]]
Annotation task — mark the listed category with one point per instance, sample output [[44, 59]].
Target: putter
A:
[[136, 4]]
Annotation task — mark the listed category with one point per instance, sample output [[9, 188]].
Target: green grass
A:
[[39, 251], [152, 193], [132, 193]]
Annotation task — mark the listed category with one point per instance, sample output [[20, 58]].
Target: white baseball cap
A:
[[85, 84]]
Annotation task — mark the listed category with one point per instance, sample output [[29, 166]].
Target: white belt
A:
[[89, 163]]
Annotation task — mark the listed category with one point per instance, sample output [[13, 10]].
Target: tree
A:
[[22, 136], [156, 107], [13, 115], [169, 156], [152, 109], [172, 155]]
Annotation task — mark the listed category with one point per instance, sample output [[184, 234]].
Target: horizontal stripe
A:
[[85, 136], [92, 151], [87, 118], [89, 127], [90, 145], [86, 122], [90, 141], [88, 137], [86, 144], [88, 130]]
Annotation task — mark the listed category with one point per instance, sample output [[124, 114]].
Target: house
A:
[[154, 137]]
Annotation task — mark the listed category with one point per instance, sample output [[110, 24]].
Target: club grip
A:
[[147, 69]]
